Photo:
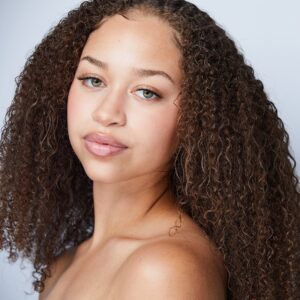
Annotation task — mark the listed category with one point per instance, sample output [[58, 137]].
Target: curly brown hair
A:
[[233, 172]]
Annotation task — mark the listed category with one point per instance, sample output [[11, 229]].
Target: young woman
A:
[[141, 159]]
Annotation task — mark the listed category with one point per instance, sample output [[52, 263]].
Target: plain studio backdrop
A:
[[267, 32]]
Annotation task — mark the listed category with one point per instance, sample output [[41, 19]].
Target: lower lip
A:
[[102, 150]]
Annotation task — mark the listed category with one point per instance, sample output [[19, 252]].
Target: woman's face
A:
[[118, 101]]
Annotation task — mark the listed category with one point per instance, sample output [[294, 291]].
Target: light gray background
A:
[[267, 32]]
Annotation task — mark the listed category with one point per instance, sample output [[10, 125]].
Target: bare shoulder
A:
[[56, 269], [173, 269]]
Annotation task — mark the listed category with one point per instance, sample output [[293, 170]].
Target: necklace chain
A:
[[174, 229]]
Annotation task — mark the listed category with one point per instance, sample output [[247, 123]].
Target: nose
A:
[[110, 110]]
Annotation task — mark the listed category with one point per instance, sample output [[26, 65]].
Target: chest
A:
[[92, 278]]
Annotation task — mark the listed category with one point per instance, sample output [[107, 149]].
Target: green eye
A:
[[94, 80], [147, 93]]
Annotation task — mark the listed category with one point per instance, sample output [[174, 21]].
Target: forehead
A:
[[140, 41]]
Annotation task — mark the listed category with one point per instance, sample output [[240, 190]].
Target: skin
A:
[[130, 189], [134, 207]]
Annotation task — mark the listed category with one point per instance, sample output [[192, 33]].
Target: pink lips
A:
[[104, 139], [103, 145]]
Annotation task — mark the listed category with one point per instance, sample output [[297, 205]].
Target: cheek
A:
[[159, 132], [77, 107], [76, 114], [73, 105]]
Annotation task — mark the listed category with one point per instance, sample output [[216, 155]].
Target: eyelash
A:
[[83, 78]]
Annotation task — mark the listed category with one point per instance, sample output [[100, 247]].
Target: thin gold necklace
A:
[[174, 229]]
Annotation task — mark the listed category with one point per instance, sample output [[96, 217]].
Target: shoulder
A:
[[171, 270], [56, 269]]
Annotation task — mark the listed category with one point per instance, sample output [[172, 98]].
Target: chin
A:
[[103, 174]]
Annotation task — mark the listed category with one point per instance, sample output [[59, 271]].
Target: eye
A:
[[94, 80], [146, 94]]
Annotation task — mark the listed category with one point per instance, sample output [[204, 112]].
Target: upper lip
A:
[[101, 138]]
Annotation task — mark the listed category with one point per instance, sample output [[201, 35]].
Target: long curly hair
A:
[[232, 174]]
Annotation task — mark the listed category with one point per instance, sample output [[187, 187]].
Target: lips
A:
[[104, 139]]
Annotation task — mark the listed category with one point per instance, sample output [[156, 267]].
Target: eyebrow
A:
[[138, 71]]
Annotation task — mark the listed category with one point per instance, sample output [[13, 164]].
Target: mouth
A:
[[104, 139], [103, 149]]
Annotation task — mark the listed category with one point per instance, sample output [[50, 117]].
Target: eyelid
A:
[[86, 76], [89, 76]]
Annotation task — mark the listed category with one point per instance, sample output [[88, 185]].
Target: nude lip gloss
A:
[[101, 149], [102, 138]]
